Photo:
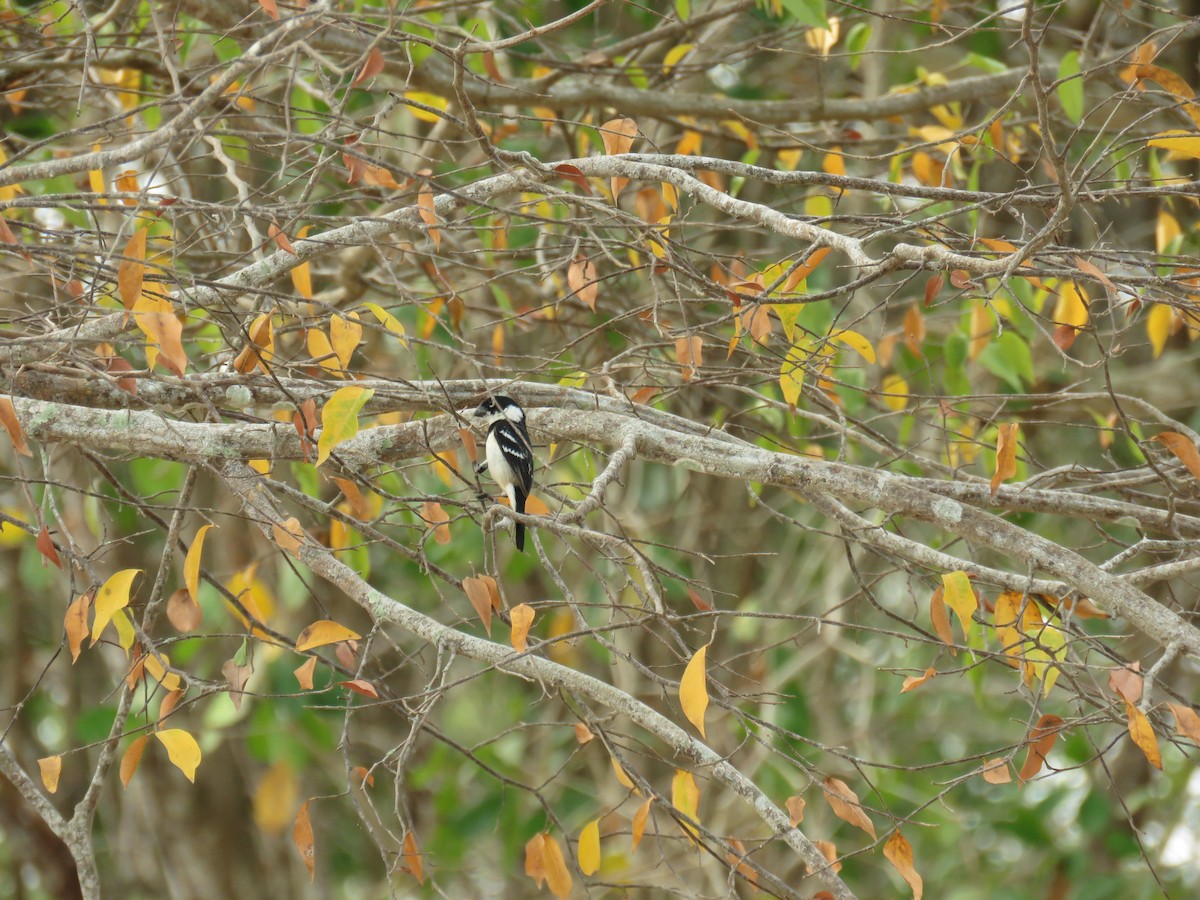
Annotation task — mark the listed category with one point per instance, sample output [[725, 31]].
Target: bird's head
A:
[[500, 406]]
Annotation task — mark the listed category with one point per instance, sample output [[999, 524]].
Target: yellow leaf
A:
[[625, 780], [589, 847], [275, 798], [693, 690], [95, 179], [960, 597], [322, 632], [1142, 733], [895, 392], [302, 274], [898, 851], [834, 163], [345, 334], [434, 101], [1166, 229], [1177, 142], [845, 805], [639, 822], [113, 595], [156, 664], [1072, 306], [521, 616], [855, 342], [125, 633], [685, 797], [388, 321], [320, 349], [191, 563], [339, 418], [674, 55], [1159, 323], [791, 375], [51, 768], [182, 750]]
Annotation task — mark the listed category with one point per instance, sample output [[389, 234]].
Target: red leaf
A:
[[933, 287], [371, 66], [1064, 336], [45, 545], [573, 175]]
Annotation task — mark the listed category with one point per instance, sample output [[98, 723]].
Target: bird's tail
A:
[[519, 506]]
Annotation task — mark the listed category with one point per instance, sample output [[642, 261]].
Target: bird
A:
[[508, 455]]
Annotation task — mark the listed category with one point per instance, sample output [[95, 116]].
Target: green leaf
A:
[[1009, 359], [683, 9], [1070, 91], [339, 419], [856, 43], [807, 12]]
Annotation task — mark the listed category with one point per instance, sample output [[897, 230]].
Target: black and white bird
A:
[[509, 453]]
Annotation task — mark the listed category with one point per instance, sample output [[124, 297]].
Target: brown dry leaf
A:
[[915, 681], [1064, 336], [1126, 682], [898, 851], [940, 617], [480, 596], [8, 418], [583, 734], [737, 862], [50, 768], [1187, 722], [1185, 451], [558, 876], [279, 236], [1006, 454], [845, 805], [288, 534], [323, 632], [581, 279], [412, 858], [617, 137], [1088, 268], [535, 858], [639, 822], [302, 837], [371, 66], [259, 348], [1143, 735], [693, 690], [131, 757], [1170, 82], [345, 334], [914, 328], [428, 212], [345, 653], [75, 623], [689, 352], [169, 703], [1041, 740], [183, 612], [829, 851], [996, 771], [236, 676], [795, 807], [361, 686], [573, 175], [438, 518], [132, 269], [304, 673], [522, 618], [163, 330], [933, 287], [757, 321]]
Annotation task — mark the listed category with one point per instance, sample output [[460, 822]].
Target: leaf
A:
[[617, 137], [126, 637], [164, 333], [1126, 682], [270, 8], [183, 612], [1041, 740], [639, 822], [898, 851], [693, 690], [895, 392], [845, 805], [1143, 735], [302, 274], [371, 66], [574, 175], [674, 55], [322, 632], [685, 797], [1185, 451], [182, 750], [996, 771], [1187, 722], [1159, 322], [260, 346], [302, 838], [433, 513], [1006, 454], [855, 342], [939, 617], [807, 12], [436, 103], [388, 321], [132, 268], [50, 768], [1070, 88], [1177, 142], [361, 686], [274, 797], [427, 209], [689, 352], [622, 778], [339, 418], [581, 279], [345, 334], [8, 418], [535, 858], [933, 287], [915, 681], [191, 564], [131, 757], [6, 235], [960, 597], [1072, 306], [484, 594], [412, 858], [75, 623], [521, 617], [795, 807], [112, 596], [304, 673], [589, 847], [558, 877]]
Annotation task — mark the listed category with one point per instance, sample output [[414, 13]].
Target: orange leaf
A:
[[163, 330], [1187, 722], [288, 534], [558, 877], [1041, 740], [184, 612], [1185, 451], [522, 617], [1143, 735], [7, 237], [412, 858], [304, 673], [322, 632], [617, 136], [639, 822], [360, 686], [845, 805], [583, 734], [535, 858], [995, 771], [428, 212], [270, 8], [939, 616], [898, 851], [581, 278], [8, 418], [50, 768], [1088, 268], [484, 595], [131, 757], [371, 66], [302, 837], [259, 348], [795, 808], [689, 353], [432, 513], [279, 236], [915, 681], [1006, 455], [75, 623], [573, 175], [535, 506], [693, 690], [132, 269]]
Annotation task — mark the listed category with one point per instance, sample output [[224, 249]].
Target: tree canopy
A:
[[857, 343]]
